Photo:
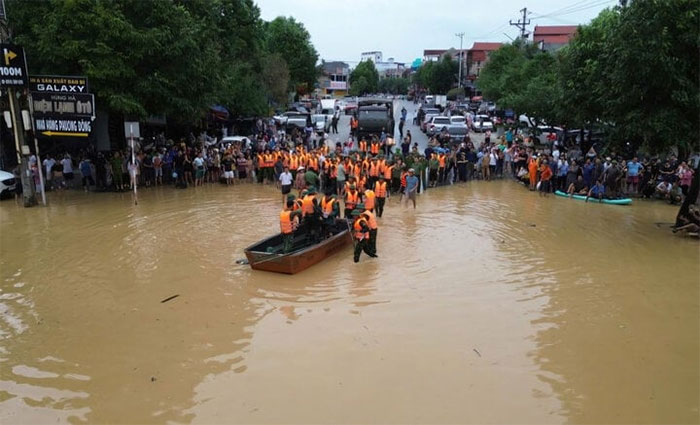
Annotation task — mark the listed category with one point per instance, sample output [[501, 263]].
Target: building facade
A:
[[554, 37], [478, 56], [334, 79], [375, 56]]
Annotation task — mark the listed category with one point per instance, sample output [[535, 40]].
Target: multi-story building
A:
[[554, 37], [375, 56], [334, 78], [478, 56]]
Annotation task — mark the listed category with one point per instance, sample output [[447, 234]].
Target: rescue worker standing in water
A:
[[289, 221], [380, 192], [371, 218], [360, 231]]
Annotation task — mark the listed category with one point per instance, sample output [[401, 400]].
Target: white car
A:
[[458, 128], [229, 140], [429, 114], [482, 123], [436, 125], [7, 184], [322, 123]]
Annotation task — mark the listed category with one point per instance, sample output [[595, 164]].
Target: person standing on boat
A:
[[311, 213], [371, 218], [360, 231], [289, 221], [330, 210]]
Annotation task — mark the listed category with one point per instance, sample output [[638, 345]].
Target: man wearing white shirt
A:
[[286, 181], [48, 163]]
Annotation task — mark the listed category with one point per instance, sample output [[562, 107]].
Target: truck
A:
[[375, 116], [441, 101], [328, 106]]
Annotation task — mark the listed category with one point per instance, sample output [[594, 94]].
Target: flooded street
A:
[[487, 304]]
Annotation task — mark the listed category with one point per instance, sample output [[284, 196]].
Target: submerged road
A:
[[488, 304]]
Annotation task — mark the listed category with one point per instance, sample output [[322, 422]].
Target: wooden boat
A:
[[267, 254]]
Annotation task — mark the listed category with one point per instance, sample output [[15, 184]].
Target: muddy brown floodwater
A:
[[487, 304]]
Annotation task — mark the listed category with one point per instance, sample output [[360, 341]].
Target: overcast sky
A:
[[342, 29]]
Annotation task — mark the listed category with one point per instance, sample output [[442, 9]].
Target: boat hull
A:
[[623, 201], [296, 261]]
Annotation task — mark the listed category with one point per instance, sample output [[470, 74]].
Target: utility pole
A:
[[522, 24], [23, 152], [461, 39]]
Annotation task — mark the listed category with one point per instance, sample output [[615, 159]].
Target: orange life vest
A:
[[287, 225], [261, 161], [313, 164], [369, 199], [293, 163], [357, 227], [374, 169], [387, 172], [363, 145], [351, 199], [361, 183], [371, 219], [380, 189], [441, 159], [327, 206], [307, 205], [375, 148]]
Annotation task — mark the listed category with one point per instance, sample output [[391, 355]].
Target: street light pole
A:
[[461, 40]]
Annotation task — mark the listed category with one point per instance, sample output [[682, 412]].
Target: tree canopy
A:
[[290, 39], [633, 70], [438, 77], [172, 57], [364, 79]]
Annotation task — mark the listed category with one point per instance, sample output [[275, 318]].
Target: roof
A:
[[486, 45], [555, 30], [553, 39], [433, 52]]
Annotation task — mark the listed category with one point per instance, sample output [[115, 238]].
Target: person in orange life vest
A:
[[373, 171], [362, 182], [369, 198], [311, 212], [381, 192], [374, 147], [289, 221], [372, 223], [330, 210], [352, 198], [442, 161], [545, 178], [360, 232], [362, 145]]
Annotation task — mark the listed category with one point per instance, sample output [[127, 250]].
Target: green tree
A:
[[275, 76], [438, 77], [290, 39], [157, 57], [366, 70]]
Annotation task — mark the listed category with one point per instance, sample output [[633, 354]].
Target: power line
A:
[[567, 11]]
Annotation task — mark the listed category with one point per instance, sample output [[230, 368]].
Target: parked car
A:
[[297, 120], [229, 140], [458, 129], [322, 123], [7, 184], [437, 124], [429, 114], [482, 123]]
